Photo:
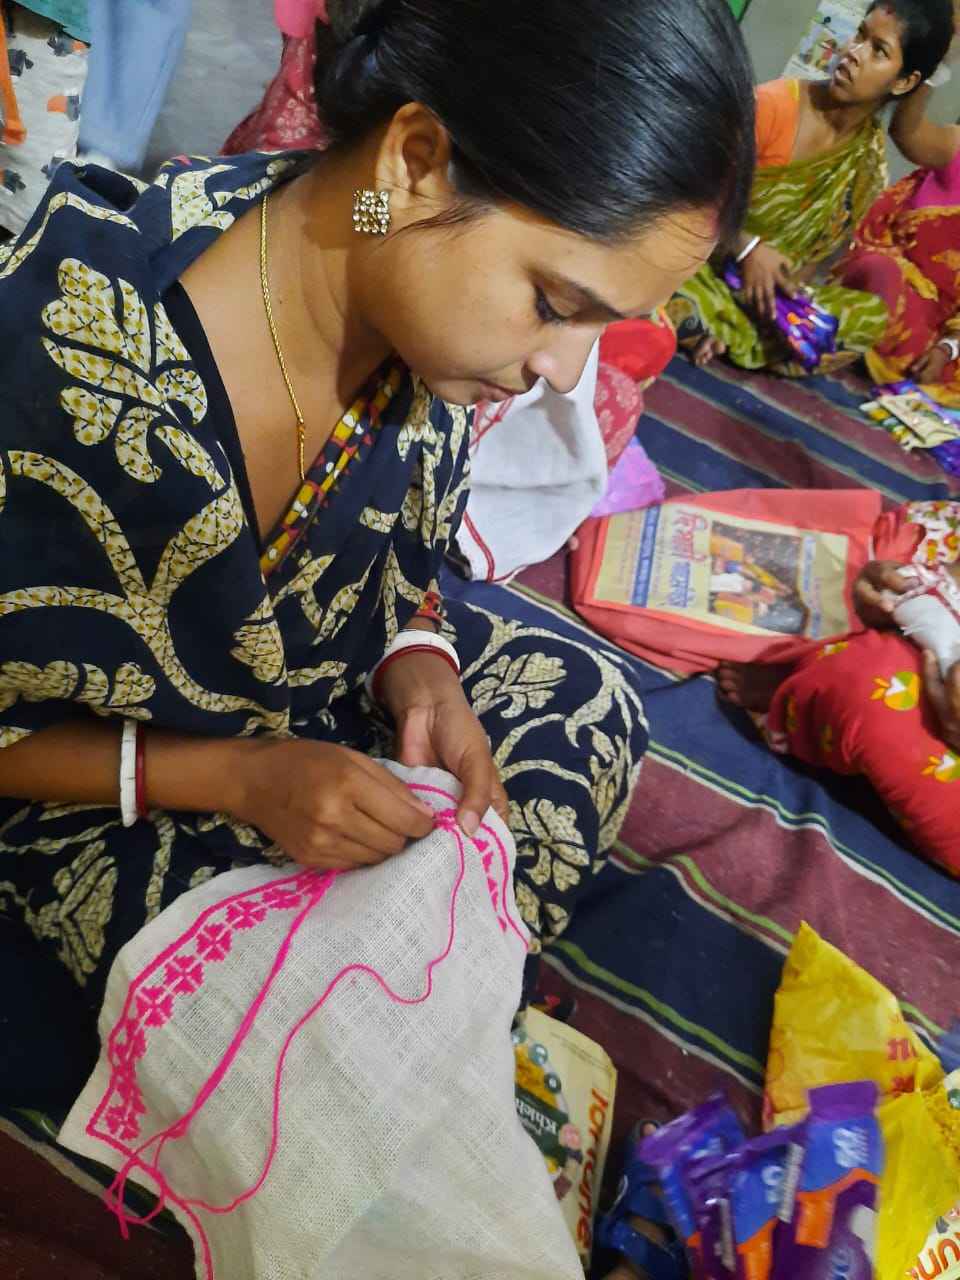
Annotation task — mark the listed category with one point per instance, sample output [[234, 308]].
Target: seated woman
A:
[[883, 703], [233, 452], [821, 163], [904, 253]]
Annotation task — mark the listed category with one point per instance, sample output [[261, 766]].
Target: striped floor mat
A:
[[675, 960]]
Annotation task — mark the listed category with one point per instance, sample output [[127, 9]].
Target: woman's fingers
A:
[[389, 802], [339, 853], [414, 743], [478, 777], [375, 836], [500, 801]]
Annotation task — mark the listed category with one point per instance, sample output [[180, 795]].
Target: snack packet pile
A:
[[917, 421], [833, 1022], [797, 1204], [809, 331]]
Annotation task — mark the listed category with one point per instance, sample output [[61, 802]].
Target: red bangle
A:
[[431, 608], [141, 772], [391, 658]]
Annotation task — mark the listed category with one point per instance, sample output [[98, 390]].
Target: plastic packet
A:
[[710, 1182], [832, 1188], [833, 1022], [708, 1132], [565, 1089], [809, 330], [756, 1200]]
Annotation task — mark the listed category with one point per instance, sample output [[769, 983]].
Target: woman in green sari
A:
[[821, 164]]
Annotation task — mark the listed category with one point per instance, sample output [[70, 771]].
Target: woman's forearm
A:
[[922, 141], [79, 763]]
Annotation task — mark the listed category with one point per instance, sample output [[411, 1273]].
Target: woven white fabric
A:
[[538, 467], [397, 1153]]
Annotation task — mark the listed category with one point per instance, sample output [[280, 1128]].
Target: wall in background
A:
[[232, 53], [774, 28]]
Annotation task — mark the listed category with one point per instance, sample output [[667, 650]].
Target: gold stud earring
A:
[[371, 212]]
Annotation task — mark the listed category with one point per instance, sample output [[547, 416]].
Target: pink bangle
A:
[[391, 658]]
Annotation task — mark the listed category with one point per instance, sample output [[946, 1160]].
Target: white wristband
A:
[[128, 773], [411, 640], [951, 346], [745, 253]]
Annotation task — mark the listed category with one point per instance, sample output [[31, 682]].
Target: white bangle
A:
[[951, 346], [412, 640], [128, 773], [745, 253]]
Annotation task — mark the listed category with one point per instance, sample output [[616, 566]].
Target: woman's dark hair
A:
[[927, 32], [599, 115]]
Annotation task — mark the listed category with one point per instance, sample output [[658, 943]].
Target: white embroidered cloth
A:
[[538, 467], [316, 1071]]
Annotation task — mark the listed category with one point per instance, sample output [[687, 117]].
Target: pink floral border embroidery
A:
[[181, 969]]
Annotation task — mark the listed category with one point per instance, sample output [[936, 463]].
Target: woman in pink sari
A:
[[905, 251]]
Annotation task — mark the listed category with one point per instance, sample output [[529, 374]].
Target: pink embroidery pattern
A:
[[180, 971]]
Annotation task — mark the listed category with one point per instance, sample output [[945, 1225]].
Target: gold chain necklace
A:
[[268, 304]]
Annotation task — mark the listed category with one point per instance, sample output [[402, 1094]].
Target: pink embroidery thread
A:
[[177, 974]]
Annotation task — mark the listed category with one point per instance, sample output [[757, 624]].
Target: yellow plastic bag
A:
[[834, 1023]]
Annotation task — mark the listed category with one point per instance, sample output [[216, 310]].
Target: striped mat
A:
[[675, 958]]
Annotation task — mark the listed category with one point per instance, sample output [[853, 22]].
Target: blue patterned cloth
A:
[[133, 582]]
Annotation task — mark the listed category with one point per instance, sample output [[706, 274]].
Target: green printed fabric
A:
[[809, 211]]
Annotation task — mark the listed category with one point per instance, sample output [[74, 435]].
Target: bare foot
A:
[[750, 685], [708, 350]]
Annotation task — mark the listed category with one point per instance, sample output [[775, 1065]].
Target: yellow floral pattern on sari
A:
[[137, 587]]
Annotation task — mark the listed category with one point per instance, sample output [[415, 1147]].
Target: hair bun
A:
[[351, 18]]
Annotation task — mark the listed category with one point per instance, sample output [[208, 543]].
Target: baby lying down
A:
[[883, 702]]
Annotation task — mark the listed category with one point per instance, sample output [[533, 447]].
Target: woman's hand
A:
[[945, 698], [436, 726], [875, 592], [763, 270], [326, 806], [931, 367]]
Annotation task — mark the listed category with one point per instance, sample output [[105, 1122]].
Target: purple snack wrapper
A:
[[809, 331], [832, 1188], [708, 1132], [710, 1183], [948, 454], [756, 1200]]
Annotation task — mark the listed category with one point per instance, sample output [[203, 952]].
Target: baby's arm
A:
[[875, 593]]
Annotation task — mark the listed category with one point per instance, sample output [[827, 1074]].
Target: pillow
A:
[[857, 706]]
